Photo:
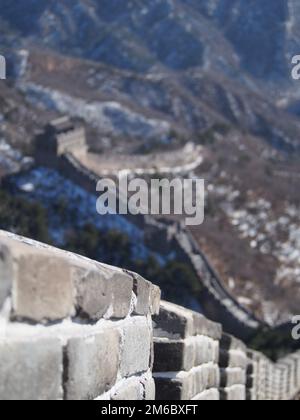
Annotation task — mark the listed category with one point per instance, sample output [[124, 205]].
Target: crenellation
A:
[[59, 137], [76, 329], [78, 319]]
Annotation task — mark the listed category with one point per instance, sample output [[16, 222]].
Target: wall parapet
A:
[[72, 328], [195, 360], [75, 329]]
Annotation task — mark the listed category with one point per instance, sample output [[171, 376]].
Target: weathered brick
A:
[[201, 379], [229, 342], [203, 326], [155, 296], [102, 291], [49, 283], [208, 395], [41, 279], [232, 376], [213, 376], [148, 296], [170, 386], [173, 321], [173, 356], [136, 347], [31, 369], [91, 364], [149, 387], [42, 288], [185, 385], [130, 390], [206, 350], [169, 389], [233, 358], [233, 393]]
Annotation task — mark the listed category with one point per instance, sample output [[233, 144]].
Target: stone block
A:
[[208, 395], [91, 364], [148, 296], [206, 350], [130, 390], [213, 376], [31, 369], [203, 326], [6, 274], [149, 387], [49, 284], [232, 376], [42, 288], [175, 386], [136, 347], [102, 291], [173, 356], [173, 322], [229, 342], [234, 393], [233, 358]]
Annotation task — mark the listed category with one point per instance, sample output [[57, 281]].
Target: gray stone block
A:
[[213, 376], [42, 288], [233, 358], [232, 376], [130, 390], [155, 297], [148, 296], [206, 350], [173, 321], [173, 356], [203, 326], [229, 342], [186, 385], [91, 365], [149, 387], [31, 369], [136, 347], [102, 292], [208, 395], [175, 387]]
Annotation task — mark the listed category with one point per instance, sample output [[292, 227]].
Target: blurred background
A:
[[163, 81]]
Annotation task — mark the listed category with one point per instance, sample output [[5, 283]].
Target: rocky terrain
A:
[[156, 68]]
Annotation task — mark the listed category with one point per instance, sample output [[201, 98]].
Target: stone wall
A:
[[195, 360], [186, 349], [75, 329], [72, 328], [273, 381]]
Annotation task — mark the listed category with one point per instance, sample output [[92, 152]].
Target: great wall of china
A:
[[75, 329], [168, 237], [55, 305]]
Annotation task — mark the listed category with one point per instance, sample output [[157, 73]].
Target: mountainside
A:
[[179, 34], [181, 63]]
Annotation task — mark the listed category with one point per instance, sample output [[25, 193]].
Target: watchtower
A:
[[59, 137]]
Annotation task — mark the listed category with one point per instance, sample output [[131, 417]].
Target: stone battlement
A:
[[75, 329], [59, 137], [71, 328]]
